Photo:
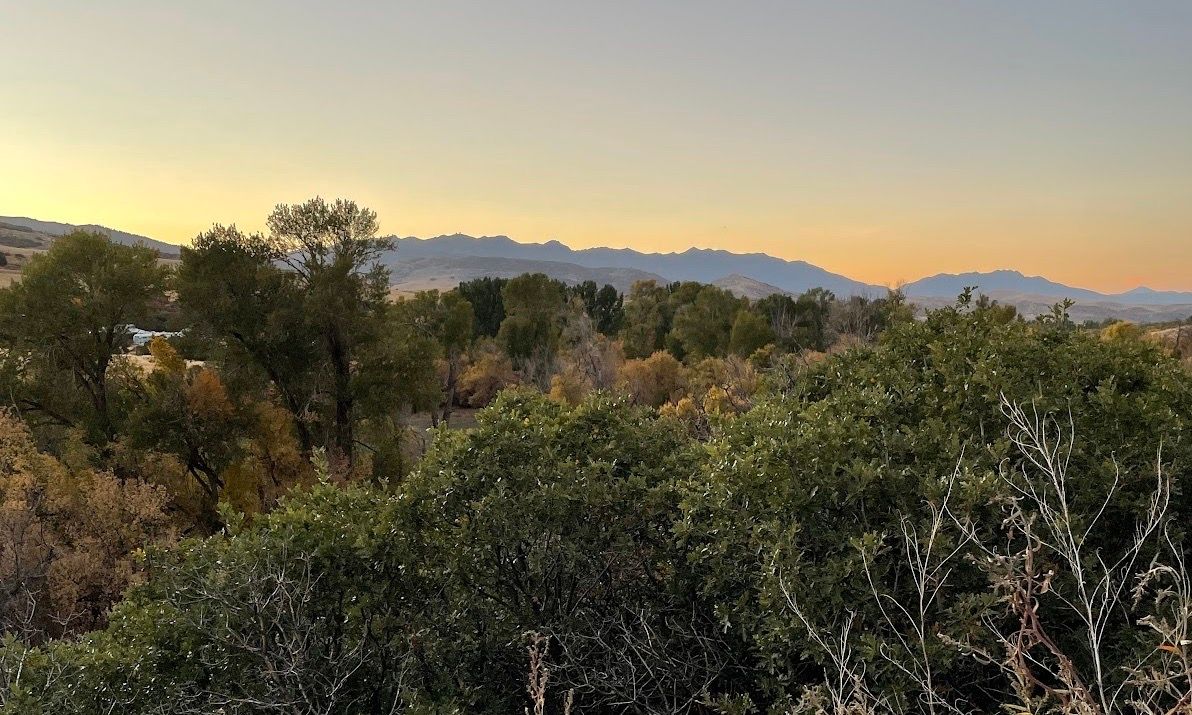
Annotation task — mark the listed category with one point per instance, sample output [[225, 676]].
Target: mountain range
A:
[[443, 261], [755, 275], [694, 264]]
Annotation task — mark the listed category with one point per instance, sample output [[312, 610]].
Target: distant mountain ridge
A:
[[1007, 283], [54, 228], [695, 264], [409, 274], [712, 265], [443, 261]]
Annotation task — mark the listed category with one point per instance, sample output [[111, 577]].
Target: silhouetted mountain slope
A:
[[53, 228], [446, 272], [444, 261], [1148, 296], [746, 287], [1012, 285], [694, 264]]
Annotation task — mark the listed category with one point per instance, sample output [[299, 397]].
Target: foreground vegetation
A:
[[677, 501]]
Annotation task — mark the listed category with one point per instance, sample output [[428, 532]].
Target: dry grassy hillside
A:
[[17, 245]]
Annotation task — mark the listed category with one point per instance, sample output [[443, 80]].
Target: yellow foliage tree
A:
[[488, 374], [728, 384], [67, 538], [569, 387], [1121, 330], [207, 397], [272, 465], [165, 357], [652, 381]]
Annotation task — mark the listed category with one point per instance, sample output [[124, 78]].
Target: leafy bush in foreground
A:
[[816, 495]]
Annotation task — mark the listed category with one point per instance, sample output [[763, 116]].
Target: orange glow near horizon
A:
[[881, 143]]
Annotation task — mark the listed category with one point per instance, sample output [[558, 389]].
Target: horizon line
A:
[[891, 285]]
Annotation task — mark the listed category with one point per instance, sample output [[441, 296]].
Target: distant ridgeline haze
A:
[[442, 262]]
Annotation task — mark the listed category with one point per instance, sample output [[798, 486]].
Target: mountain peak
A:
[[746, 287]]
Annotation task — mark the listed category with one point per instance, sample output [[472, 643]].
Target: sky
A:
[[882, 140]]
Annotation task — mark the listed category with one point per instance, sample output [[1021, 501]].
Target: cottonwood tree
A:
[[187, 413], [702, 327], [646, 320], [226, 447], [750, 332], [799, 323], [443, 323], [305, 304], [334, 250], [531, 330], [603, 305], [230, 287], [487, 304], [64, 322], [588, 354]]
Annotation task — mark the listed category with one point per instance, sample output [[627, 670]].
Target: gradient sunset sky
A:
[[883, 140]]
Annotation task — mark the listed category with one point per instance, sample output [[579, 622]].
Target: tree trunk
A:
[[341, 364], [97, 386], [448, 404]]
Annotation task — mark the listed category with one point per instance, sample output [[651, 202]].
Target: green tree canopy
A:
[[306, 306], [750, 332], [231, 288], [702, 327], [604, 305], [647, 318], [65, 320], [533, 307], [487, 304]]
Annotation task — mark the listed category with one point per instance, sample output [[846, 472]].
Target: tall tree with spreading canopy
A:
[[231, 288], [334, 250], [646, 319], [604, 305], [750, 332], [445, 321], [63, 323], [701, 327], [531, 330], [306, 304]]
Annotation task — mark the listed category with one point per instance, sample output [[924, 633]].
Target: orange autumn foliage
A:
[[67, 538]]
